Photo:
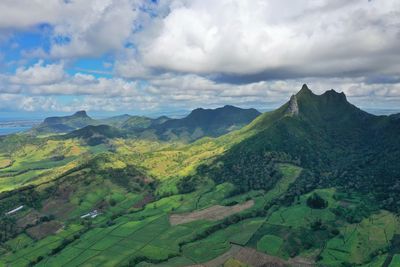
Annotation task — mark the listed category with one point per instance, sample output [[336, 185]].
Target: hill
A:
[[395, 116], [95, 135], [115, 121], [141, 122]]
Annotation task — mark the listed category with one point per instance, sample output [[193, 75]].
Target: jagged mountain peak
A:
[[304, 90], [306, 100], [334, 95]]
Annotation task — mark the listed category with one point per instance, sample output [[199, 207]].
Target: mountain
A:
[[395, 116], [142, 122], [199, 123], [64, 124], [314, 183], [95, 135], [337, 142], [205, 122]]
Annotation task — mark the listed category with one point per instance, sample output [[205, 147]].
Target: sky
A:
[[145, 57]]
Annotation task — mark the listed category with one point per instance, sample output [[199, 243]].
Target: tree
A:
[[315, 201], [187, 185]]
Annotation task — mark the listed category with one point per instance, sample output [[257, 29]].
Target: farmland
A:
[[136, 233], [207, 226]]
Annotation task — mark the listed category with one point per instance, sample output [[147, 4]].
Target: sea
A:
[[10, 125]]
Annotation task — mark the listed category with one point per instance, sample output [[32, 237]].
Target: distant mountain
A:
[[199, 123], [141, 122], [339, 144], [64, 124], [395, 116], [95, 135], [116, 121], [205, 122]]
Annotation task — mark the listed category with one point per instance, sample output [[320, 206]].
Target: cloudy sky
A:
[[142, 56]]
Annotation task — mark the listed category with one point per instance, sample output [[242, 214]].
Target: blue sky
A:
[[153, 57]]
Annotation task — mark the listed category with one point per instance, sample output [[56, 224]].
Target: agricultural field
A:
[[119, 204], [136, 233], [214, 213]]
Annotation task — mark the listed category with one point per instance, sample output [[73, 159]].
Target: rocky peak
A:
[[333, 95], [304, 90]]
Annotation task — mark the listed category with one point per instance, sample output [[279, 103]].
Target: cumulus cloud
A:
[[305, 38], [39, 74], [94, 27], [78, 28], [184, 92], [26, 13]]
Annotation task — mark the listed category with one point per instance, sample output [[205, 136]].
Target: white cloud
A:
[[128, 66], [79, 28], [26, 13], [39, 74], [177, 92], [247, 37], [94, 27]]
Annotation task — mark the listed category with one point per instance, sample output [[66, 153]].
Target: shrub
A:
[[315, 201], [187, 185]]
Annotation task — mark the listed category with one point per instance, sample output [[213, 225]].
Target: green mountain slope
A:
[[341, 144], [95, 135]]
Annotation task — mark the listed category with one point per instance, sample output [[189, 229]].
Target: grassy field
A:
[[270, 244], [357, 241], [5, 162], [234, 263], [395, 261]]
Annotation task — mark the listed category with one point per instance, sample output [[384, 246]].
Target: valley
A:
[[314, 183]]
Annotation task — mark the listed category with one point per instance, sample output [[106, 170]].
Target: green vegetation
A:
[[315, 201], [270, 244], [319, 185], [395, 261]]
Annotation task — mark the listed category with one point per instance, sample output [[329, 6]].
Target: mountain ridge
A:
[[328, 136]]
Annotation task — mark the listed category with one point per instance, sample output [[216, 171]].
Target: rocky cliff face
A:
[[293, 108]]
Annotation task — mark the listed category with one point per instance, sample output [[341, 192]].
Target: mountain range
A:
[[315, 182], [199, 123]]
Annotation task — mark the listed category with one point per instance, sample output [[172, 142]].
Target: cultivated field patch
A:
[[213, 213], [29, 219], [356, 242], [42, 230], [251, 257], [4, 163]]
